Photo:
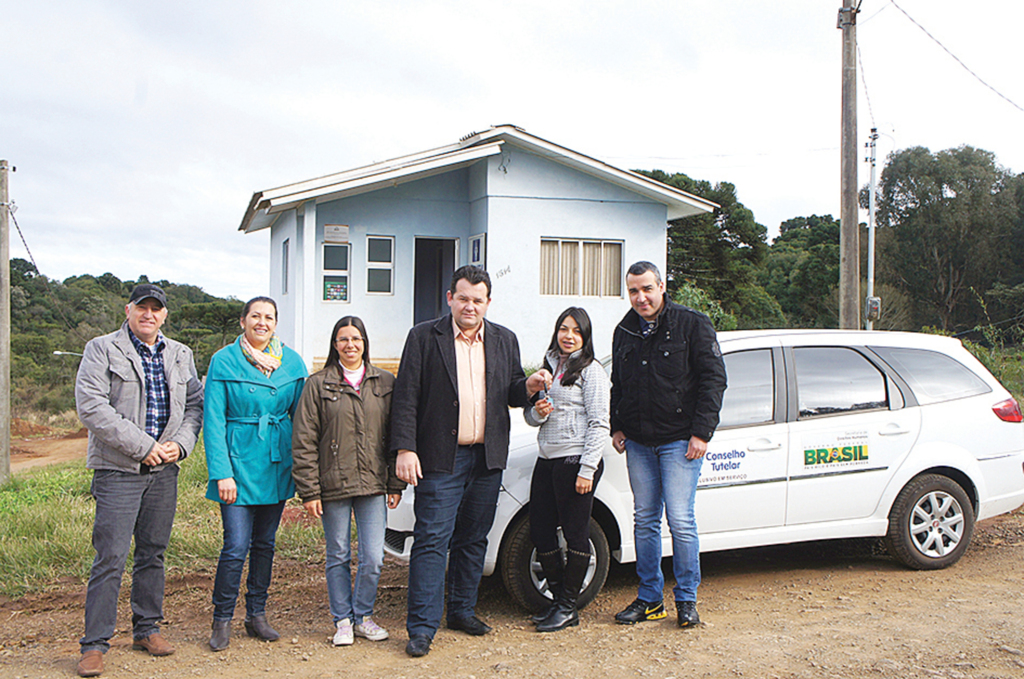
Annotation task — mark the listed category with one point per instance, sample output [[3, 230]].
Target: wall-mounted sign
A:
[[478, 250], [335, 233]]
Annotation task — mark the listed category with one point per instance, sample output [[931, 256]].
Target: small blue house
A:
[[554, 228]]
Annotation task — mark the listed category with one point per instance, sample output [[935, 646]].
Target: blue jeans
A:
[[371, 515], [454, 513], [127, 505], [248, 530], [664, 482]]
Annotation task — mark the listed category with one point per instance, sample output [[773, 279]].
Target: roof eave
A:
[[679, 203]]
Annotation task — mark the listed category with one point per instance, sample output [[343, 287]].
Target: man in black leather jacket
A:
[[668, 378]]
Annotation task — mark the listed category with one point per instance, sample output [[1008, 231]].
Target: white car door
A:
[[850, 434], [743, 479]]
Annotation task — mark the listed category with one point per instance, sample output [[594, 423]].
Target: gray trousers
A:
[[128, 505]]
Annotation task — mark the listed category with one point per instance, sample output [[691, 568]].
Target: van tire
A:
[[520, 571], [931, 523]]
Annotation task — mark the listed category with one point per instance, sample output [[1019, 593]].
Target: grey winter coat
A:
[[110, 394], [579, 420]]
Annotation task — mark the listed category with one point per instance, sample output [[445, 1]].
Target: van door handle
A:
[[763, 445], [893, 430]]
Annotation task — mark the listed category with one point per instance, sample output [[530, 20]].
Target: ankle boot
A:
[[565, 613], [221, 635], [554, 570], [257, 626]]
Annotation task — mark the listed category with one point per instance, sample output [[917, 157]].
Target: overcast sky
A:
[[141, 130]]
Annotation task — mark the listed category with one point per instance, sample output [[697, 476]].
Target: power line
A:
[[957, 59], [12, 208], [864, 81]]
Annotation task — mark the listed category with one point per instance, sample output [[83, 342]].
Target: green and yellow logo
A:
[[833, 455]]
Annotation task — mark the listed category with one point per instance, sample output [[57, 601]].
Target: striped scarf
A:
[[266, 361]]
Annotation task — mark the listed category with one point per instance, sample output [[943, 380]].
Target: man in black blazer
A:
[[450, 426]]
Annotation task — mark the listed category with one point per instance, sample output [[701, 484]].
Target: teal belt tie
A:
[[264, 421]]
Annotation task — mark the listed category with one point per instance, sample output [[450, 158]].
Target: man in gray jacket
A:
[[138, 394]]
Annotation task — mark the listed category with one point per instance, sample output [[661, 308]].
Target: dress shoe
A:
[[687, 614], [257, 626], [418, 646], [221, 635], [91, 664], [155, 644], [472, 625]]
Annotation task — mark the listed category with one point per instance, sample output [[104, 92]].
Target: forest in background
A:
[[949, 258], [49, 315]]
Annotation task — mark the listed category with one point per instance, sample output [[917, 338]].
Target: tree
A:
[[717, 252], [801, 270], [950, 225]]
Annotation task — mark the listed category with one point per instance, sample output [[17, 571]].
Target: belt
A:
[[263, 422]]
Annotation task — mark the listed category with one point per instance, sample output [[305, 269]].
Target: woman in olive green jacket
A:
[[342, 466]]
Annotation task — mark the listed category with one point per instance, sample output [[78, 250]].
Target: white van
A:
[[823, 434]]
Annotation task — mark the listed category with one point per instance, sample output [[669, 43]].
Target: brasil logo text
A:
[[834, 455]]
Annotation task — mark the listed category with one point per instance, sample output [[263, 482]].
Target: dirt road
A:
[[838, 609], [827, 610]]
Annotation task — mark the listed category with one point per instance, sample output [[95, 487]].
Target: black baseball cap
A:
[[147, 290]]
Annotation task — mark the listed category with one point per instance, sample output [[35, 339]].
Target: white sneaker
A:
[[368, 629], [344, 637]]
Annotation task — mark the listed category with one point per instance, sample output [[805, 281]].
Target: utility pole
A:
[[872, 305], [5, 327], [849, 246]]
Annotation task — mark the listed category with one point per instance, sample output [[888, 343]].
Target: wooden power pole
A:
[[5, 326], [849, 227]]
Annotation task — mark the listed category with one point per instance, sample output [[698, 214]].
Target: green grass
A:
[[45, 528], [46, 518]]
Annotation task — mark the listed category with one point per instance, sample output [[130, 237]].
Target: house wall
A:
[[435, 207], [285, 229], [516, 198], [531, 197]]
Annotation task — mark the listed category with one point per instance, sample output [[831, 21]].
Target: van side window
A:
[[750, 396], [934, 377], [833, 380]]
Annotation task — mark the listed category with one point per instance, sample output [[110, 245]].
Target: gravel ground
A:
[[837, 609]]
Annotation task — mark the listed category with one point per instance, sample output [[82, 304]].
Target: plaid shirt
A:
[[158, 396]]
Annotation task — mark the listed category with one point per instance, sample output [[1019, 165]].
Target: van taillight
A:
[[1008, 410]]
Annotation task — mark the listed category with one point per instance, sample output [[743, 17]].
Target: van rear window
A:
[[934, 377]]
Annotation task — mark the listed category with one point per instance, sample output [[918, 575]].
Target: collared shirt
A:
[[647, 327], [158, 396], [471, 368]]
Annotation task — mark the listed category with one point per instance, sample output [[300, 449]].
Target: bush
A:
[[690, 295]]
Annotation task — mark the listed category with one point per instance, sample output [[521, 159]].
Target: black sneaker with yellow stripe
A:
[[641, 611]]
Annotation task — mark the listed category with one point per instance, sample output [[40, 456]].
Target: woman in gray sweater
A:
[[573, 421]]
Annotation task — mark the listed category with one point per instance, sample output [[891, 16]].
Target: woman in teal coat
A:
[[252, 389]]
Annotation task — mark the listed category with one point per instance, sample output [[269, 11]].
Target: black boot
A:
[[565, 613], [554, 571], [220, 637], [257, 626]]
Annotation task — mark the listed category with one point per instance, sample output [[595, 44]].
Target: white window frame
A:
[[347, 273], [381, 266], [285, 254]]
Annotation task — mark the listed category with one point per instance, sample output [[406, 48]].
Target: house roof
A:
[[266, 205]]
